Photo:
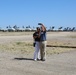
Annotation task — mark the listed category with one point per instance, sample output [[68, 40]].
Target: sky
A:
[[31, 12]]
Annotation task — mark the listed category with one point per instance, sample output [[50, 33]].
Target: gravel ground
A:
[[23, 64]]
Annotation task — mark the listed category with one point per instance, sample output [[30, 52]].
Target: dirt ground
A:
[[14, 62]]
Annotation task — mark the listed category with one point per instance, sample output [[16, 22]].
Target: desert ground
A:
[[16, 54]]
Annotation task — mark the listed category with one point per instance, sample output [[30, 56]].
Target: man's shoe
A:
[[42, 59]]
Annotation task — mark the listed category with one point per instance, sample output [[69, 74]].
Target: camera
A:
[[39, 23]]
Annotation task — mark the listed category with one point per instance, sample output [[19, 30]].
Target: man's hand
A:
[[43, 27]]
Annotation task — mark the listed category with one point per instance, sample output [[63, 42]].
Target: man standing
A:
[[42, 42]]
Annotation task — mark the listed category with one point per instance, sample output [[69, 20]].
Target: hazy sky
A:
[[29, 12]]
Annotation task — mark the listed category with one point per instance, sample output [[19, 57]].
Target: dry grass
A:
[[72, 36], [60, 43], [17, 47], [27, 48], [57, 50], [15, 33]]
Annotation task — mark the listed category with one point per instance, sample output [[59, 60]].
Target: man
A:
[[37, 44], [42, 42]]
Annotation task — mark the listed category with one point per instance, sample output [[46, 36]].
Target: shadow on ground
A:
[[23, 58], [62, 46]]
